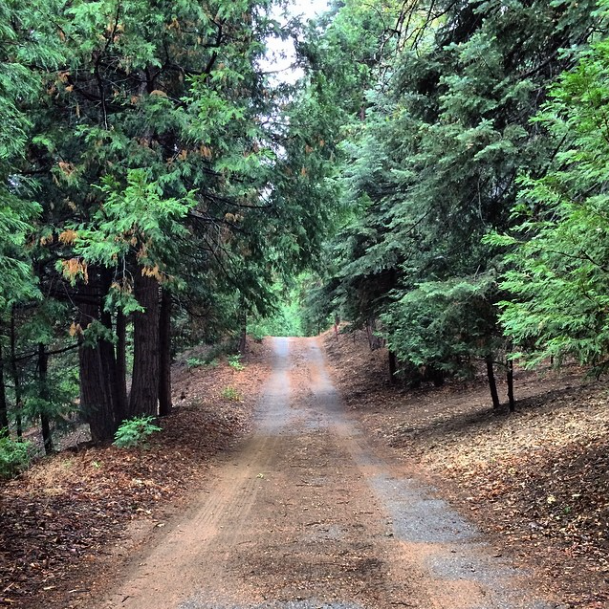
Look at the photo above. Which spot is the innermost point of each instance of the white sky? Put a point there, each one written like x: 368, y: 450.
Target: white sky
x: 282, y: 66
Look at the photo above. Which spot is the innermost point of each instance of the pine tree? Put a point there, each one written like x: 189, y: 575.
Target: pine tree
x: 435, y: 167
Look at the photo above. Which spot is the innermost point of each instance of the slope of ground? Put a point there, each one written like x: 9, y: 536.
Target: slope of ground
x: 537, y: 481
x: 60, y: 521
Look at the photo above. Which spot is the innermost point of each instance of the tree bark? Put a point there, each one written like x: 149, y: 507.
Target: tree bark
x: 96, y: 396
x: 165, y: 405
x: 510, y: 385
x: 393, y: 367
x: 3, y: 403
x: 146, y: 336
x: 121, y: 367
x: 242, y: 329
x: 491, y: 381
x: 43, y: 394
x: 16, y: 376
x: 110, y: 374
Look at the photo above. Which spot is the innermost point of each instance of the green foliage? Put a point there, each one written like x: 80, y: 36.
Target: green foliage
x: 284, y: 322
x: 559, y: 256
x: 285, y: 318
x: 14, y: 456
x: 195, y: 362
x: 135, y: 432
x: 433, y: 168
x: 234, y: 361
x: 231, y: 394
x: 446, y: 325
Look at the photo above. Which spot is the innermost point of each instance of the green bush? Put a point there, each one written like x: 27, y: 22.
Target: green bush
x: 232, y: 394
x: 14, y: 456
x: 135, y: 432
x: 234, y: 361
x: 194, y: 362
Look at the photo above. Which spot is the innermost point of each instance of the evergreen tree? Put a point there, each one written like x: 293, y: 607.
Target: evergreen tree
x: 434, y: 169
x: 559, y: 260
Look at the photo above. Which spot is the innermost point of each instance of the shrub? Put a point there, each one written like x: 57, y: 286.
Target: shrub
x: 14, y: 456
x: 135, y: 432
x: 230, y: 393
x: 194, y: 362
x: 234, y: 361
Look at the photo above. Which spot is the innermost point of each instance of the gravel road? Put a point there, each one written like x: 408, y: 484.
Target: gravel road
x: 305, y: 514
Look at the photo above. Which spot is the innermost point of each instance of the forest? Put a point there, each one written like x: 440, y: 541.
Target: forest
x: 436, y: 175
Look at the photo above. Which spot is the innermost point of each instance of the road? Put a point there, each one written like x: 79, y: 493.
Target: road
x: 305, y: 514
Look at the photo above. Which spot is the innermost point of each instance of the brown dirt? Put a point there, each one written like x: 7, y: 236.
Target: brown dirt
x: 536, y: 482
x: 68, y: 522
x: 303, y: 514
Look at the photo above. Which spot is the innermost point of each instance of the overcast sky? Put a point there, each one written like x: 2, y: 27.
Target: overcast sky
x: 282, y: 65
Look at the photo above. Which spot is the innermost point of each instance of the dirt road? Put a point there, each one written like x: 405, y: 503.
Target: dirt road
x: 304, y: 515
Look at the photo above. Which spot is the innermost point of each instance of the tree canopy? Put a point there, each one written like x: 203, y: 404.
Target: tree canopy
x: 437, y: 174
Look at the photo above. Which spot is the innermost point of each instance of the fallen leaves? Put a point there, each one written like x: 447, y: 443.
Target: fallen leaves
x: 537, y: 480
x: 61, y: 515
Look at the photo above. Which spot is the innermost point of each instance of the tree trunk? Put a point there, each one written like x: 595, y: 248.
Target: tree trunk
x: 374, y: 341
x: 96, y: 396
x: 510, y: 384
x: 242, y: 329
x: 16, y: 377
x: 43, y: 394
x: 146, y: 336
x: 121, y: 367
x: 3, y: 403
x: 491, y: 381
x: 393, y: 367
x: 110, y: 374
x: 165, y: 405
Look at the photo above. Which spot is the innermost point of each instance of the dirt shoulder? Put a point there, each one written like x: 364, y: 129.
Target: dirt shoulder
x: 536, y: 481
x: 70, y: 522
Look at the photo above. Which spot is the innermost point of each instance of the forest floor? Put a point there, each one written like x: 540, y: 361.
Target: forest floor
x: 293, y: 495
x: 67, y: 524
x: 535, y: 481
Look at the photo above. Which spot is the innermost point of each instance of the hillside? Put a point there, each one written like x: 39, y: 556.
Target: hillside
x: 536, y: 481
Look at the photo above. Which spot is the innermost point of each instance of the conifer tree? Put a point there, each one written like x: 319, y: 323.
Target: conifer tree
x: 558, y: 258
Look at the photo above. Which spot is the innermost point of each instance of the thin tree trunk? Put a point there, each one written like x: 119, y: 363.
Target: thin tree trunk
x: 146, y: 336
x: 165, y: 405
x: 242, y: 329
x: 16, y: 377
x: 491, y: 381
x: 110, y: 373
x: 3, y: 403
x: 510, y: 384
x: 393, y: 367
x: 43, y: 393
x: 121, y: 368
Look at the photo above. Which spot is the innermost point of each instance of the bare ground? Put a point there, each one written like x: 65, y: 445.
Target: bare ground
x: 536, y: 482
x: 306, y: 514
x: 68, y: 523
x: 316, y: 507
